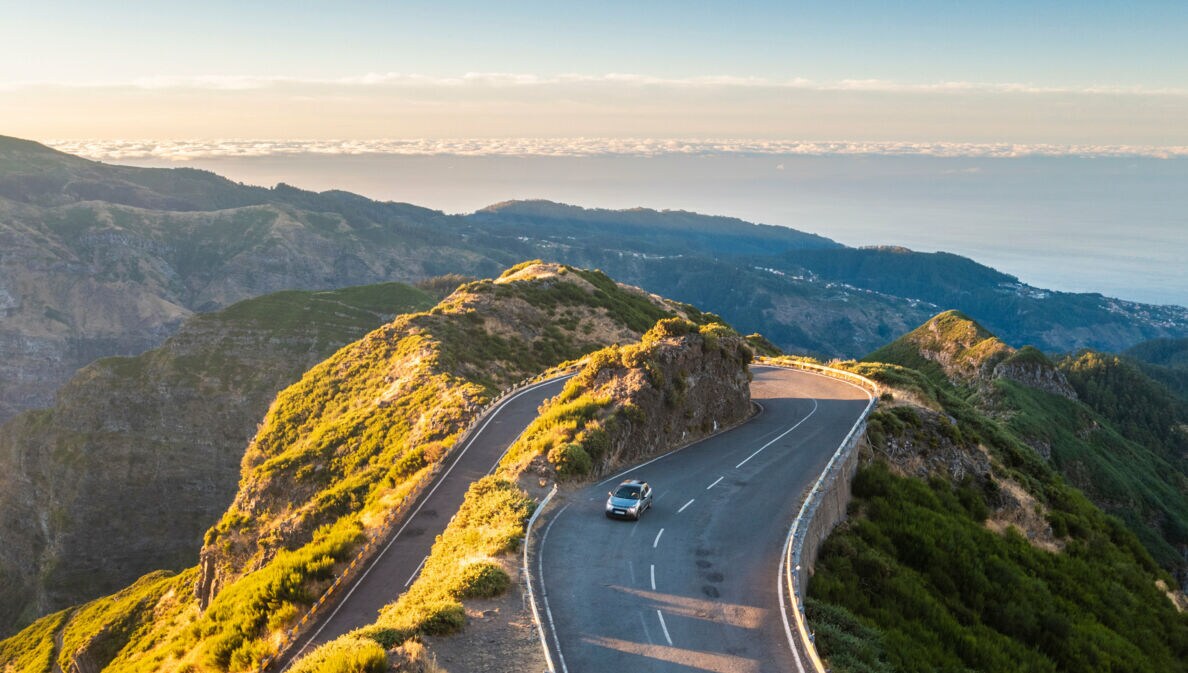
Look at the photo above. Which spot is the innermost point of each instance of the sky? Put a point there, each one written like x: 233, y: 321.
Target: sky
x: 1049, y: 138
x: 1065, y: 73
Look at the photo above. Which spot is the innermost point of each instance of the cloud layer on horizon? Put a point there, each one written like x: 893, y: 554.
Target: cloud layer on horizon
x: 185, y: 150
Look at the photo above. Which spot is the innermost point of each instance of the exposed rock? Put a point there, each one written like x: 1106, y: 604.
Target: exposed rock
x: 920, y: 442
x: 1035, y: 372
x: 689, y: 388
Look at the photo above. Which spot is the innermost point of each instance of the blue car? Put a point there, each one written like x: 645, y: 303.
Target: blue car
x: 629, y: 500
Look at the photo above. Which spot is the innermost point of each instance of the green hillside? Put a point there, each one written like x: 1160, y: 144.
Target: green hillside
x: 1165, y: 360
x: 169, y: 426
x: 966, y: 549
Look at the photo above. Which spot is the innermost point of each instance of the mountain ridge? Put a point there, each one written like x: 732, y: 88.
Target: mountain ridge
x: 160, y: 244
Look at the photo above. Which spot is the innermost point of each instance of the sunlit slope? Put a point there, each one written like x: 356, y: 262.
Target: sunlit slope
x: 340, y: 449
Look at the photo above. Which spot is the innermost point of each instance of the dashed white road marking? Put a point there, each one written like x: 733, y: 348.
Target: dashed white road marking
x: 684, y: 506
x: 653, y: 571
x: 664, y: 627
x: 779, y: 436
x: 716, y: 482
x: 657, y: 540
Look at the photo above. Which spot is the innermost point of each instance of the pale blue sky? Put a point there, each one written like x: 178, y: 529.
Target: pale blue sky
x: 1063, y: 72
x: 1047, y: 43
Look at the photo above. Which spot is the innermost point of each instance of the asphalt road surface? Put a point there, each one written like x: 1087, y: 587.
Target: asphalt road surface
x: 397, y: 564
x: 693, y: 585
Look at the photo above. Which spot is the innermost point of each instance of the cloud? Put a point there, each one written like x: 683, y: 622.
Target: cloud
x: 479, y: 80
x: 184, y: 150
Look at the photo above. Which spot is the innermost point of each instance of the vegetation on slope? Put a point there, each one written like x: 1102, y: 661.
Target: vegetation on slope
x: 917, y: 568
x: 966, y: 549
x: 169, y: 426
x: 345, y: 446
x: 1165, y: 360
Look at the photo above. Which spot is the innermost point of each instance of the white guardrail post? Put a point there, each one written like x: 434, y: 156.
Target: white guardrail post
x: 793, y: 579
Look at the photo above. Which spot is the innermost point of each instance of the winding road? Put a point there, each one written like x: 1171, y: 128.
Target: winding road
x: 399, y: 561
x: 693, y: 586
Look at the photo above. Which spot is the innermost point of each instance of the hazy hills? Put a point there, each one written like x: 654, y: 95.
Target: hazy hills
x: 100, y: 260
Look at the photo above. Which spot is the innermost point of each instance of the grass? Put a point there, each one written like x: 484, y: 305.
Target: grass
x: 32, y: 650
x: 103, y: 626
x: 914, y: 580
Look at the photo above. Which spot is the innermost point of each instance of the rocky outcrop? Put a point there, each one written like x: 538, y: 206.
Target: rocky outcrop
x: 922, y: 443
x: 140, y: 455
x: 1028, y: 367
x: 965, y: 353
x: 673, y: 389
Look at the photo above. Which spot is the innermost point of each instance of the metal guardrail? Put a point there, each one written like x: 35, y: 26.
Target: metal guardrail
x: 841, y: 464
x: 396, y: 516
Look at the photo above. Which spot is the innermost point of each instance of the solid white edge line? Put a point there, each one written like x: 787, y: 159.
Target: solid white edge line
x: 657, y: 540
x: 716, y: 482
x: 544, y: 641
x: 664, y: 627
x: 563, y: 377
x: 780, y: 436
x: 652, y: 570
x: 685, y: 505
x: 413, y: 576
x: 544, y: 593
x: 783, y: 570
x: 440, y: 480
x: 784, y: 601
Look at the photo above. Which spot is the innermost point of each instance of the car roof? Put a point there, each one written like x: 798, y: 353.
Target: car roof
x: 638, y: 482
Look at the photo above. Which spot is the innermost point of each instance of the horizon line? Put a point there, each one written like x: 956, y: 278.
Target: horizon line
x: 183, y: 150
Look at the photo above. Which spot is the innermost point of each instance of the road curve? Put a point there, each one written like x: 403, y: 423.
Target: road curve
x: 396, y: 565
x: 693, y: 585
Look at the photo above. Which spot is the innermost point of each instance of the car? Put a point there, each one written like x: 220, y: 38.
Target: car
x: 629, y: 500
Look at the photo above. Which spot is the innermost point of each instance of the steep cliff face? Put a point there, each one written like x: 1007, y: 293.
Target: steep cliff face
x: 140, y: 455
x: 337, y: 452
x: 359, y: 426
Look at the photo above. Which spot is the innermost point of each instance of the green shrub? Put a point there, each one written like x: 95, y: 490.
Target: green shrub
x: 571, y: 461
x: 939, y: 591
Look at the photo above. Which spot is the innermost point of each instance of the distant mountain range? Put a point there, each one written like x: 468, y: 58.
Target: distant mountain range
x: 99, y: 260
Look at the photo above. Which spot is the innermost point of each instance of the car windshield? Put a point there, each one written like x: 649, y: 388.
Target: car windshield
x: 628, y: 492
